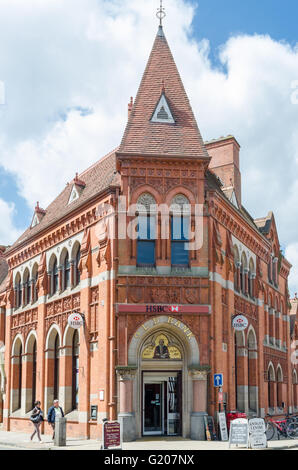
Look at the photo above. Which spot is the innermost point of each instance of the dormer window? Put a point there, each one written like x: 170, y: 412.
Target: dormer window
x: 162, y: 113
x: 39, y: 214
x: 77, y: 188
x: 74, y: 195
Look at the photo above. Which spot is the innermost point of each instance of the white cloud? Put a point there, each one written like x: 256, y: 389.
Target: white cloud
x: 292, y: 255
x: 8, y: 231
x: 92, y: 53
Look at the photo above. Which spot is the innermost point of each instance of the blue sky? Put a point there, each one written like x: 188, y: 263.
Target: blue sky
x: 217, y: 20
x: 238, y: 61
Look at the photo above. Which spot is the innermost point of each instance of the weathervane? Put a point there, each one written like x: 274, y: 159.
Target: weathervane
x: 161, y: 14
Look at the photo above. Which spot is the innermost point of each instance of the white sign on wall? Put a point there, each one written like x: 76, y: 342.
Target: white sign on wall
x: 240, y: 323
x: 75, y: 320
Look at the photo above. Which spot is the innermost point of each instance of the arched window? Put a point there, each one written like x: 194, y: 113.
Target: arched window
x: 146, y: 230
x: 243, y: 274
x: 251, y: 276
x: 271, y: 383
x: 66, y: 272
x: 236, y: 268
x: 77, y: 274
x: 279, y: 387
x: 18, y: 291
x: 180, y: 231
x: 34, y: 283
x: 252, y: 371
x: 56, y: 366
x: 20, y: 377
x: 75, y: 370
x: 27, y: 288
x: 55, y: 277
x: 34, y: 363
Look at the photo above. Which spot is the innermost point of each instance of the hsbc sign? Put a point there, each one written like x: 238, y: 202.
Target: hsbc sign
x: 75, y: 320
x: 162, y: 308
x: 240, y: 323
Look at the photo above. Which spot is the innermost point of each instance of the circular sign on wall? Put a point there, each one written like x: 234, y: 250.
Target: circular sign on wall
x: 240, y: 323
x: 75, y: 320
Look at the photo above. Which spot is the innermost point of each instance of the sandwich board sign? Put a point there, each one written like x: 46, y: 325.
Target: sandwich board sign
x: 111, y: 434
x: 239, y: 432
x: 257, y: 433
x: 223, y: 426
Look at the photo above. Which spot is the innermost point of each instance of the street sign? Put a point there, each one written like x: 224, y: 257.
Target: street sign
x: 240, y: 323
x: 223, y: 426
x: 239, y: 432
x: 218, y: 380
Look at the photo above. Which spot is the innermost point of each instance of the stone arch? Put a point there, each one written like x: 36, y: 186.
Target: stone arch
x: 30, y: 370
x: 252, y: 369
x: 240, y: 381
x: 51, y: 261
x: 180, y: 190
x: 271, y: 385
x: 71, y: 343
x: 143, y: 189
x: 17, y: 351
x: 190, y: 375
x: 279, y: 385
x: 64, y: 252
x: 252, y: 338
x: 177, y: 328
x: 52, y: 363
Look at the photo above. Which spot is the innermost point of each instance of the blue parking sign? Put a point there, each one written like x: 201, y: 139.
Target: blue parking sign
x: 218, y: 380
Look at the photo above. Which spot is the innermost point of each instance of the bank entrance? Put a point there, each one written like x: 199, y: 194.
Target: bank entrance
x: 162, y: 403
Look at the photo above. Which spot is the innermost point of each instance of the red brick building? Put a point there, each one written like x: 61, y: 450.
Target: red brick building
x: 158, y: 308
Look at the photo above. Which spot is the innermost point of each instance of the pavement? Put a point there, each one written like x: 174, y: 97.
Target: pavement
x: 21, y: 441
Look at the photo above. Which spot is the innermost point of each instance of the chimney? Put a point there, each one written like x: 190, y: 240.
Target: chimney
x: 224, y: 153
x: 130, y: 105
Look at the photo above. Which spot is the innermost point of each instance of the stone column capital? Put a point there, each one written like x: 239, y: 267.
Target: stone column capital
x: 199, y: 374
x: 126, y: 372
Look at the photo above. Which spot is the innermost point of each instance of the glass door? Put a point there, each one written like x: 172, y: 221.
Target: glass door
x: 153, y: 409
x: 174, y: 415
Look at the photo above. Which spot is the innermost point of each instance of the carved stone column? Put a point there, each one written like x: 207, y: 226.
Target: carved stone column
x: 126, y: 414
x: 199, y: 407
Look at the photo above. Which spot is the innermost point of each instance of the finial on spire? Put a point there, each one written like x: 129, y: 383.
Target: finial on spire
x: 161, y: 14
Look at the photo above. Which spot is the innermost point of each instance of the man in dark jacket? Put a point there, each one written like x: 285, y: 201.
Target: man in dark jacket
x: 54, y: 412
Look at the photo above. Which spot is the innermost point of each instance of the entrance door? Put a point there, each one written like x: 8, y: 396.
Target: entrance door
x: 153, y: 408
x: 162, y: 400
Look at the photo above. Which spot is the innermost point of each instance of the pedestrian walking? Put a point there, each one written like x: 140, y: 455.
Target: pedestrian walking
x: 36, y: 418
x: 55, y: 412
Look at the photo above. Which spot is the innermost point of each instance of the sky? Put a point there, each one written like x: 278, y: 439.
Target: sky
x: 69, y: 67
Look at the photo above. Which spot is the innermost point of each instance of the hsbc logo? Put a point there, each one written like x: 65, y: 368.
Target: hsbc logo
x: 174, y: 308
x: 162, y: 308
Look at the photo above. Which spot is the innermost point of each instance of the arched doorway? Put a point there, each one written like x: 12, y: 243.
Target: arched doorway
x: 271, y: 386
x: 240, y: 369
x: 164, y: 390
x: 252, y: 371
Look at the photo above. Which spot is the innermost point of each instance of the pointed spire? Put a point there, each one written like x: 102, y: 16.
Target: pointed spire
x: 179, y: 136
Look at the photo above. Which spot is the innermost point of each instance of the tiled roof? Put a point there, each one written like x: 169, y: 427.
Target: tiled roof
x: 97, y: 178
x: 142, y: 136
x: 3, y: 273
